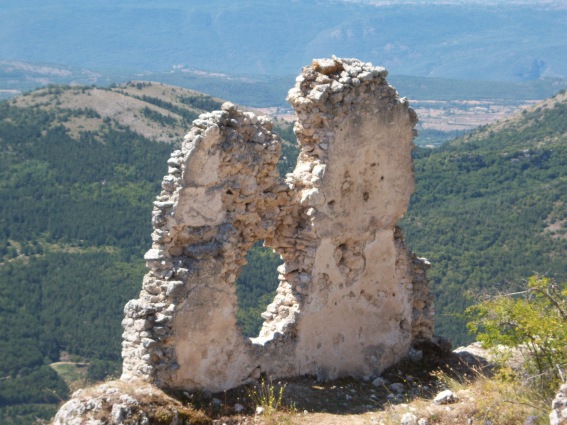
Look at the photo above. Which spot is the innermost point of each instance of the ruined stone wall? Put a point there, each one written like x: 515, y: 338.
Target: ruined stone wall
x: 221, y: 195
x: 351, y: 297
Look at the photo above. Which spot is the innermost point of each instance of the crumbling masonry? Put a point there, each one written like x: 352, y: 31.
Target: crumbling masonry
x: 351, y: 298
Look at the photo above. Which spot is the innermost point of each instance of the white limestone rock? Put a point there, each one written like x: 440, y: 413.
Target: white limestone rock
x: 408, y: 418
x: 446, y: 397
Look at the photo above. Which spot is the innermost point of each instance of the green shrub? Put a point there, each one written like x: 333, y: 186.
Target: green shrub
x: 534, y: 321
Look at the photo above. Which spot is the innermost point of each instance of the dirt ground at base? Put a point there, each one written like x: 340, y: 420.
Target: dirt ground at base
x: 307, y: 400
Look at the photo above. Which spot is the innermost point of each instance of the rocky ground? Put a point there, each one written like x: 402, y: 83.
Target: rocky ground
x: 404, y: 394
x: 434, y: 385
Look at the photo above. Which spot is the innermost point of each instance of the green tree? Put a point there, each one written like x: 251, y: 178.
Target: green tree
x: 533, y: 321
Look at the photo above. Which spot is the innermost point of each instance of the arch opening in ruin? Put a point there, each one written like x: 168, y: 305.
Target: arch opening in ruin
x: 256, y: 288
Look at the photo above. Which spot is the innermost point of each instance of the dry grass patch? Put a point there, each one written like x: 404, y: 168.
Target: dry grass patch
x: 497, y: 400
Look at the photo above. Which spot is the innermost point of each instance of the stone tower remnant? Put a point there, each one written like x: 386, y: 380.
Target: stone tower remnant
x: 351, y: 298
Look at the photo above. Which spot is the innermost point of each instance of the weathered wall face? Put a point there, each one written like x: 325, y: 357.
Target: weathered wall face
x: 351, y: 297
x: 356, y: 138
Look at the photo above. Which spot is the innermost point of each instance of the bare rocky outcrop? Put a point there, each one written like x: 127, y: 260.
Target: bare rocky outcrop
x: 352, y: 298
x: 126, y: 403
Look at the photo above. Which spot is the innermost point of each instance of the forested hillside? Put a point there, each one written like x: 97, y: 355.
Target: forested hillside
x: 490, y: 209
x: 80, y: 166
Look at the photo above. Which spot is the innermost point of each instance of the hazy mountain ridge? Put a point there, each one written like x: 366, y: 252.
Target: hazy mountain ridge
x: 254, y: 37
x: 263, y: 91
x: 446, y: 107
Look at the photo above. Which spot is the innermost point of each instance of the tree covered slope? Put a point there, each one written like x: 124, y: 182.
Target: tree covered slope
x: 80, y: 167
x: 490, y: 209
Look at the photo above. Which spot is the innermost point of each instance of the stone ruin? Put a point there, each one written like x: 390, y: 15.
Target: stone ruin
x: 351, y: 298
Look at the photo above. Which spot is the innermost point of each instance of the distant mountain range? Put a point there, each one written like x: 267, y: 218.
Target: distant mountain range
x: 446, y: 107
x: 267, y: 91
x: 475, y: 40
